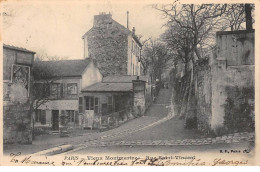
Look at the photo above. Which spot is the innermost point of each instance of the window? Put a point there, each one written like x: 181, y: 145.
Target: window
x: 37, y: 115
x: 72, y: 88
x: 96, y: 108
x: 40, y: 116
x: 46, y: 90
x: 110, y: 104
x: 133, y: 69
x: 70, y: 115
x: 80, y: 105
x: 43, y: 117
x: 89, y: 102
x: 55, y: 89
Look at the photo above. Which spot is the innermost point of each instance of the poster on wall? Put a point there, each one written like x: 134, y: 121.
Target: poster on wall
x: 21, y: 76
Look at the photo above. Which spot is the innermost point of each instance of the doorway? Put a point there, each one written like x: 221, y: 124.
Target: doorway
x: 55, y: 120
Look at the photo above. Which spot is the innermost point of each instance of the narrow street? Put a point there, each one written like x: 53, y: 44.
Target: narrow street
x: 157, y: 131
x: 154, y: 136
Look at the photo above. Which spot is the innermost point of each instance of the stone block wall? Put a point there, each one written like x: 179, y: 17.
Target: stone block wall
x: 109, y: 46
x: 17, y: 124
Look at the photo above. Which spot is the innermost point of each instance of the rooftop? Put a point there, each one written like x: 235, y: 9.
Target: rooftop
x: 109, y: 87
x: 115, y: 83
x: 61, y: 68
x: 17, y: 48
x: 123, y: 78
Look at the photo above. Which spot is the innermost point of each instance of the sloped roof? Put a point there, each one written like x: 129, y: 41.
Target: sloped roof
x: 109, y: 87
x: 115, y: 83
x: 17, y: 48
x: 61, y: 68
x: 123, y: 78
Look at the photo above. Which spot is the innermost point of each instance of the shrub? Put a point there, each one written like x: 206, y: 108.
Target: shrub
x: 239, y: 110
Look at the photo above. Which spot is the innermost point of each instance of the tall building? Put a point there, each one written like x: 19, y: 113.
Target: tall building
x: 116, y: 49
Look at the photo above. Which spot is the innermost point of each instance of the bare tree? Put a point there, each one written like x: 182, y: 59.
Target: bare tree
x: 235, y: 16
x: 199, y: 21
x: 144, y: 60
x: 155, y: 57
x: 43, y: 77
x: 43, y: 56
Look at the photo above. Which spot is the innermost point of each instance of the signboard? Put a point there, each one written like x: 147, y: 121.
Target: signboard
x: 24, y: 58
x: 21, y: 75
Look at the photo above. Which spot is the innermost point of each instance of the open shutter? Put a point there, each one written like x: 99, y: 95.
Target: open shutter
x: 61, y: 90
x: 80, y: 105
x: 43, y: 117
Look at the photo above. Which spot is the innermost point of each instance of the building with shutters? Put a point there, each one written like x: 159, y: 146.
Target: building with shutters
x: 59, y: 84
x: 115, y: 100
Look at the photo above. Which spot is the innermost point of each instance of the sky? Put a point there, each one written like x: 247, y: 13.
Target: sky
x: 57, y: 28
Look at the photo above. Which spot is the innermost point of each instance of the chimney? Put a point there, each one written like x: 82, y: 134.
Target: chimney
x: 133, y: 30
x: 127, y: 19
x: 102, y: 19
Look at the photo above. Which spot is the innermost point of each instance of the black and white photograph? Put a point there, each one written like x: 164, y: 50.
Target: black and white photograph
x: 129, y: 83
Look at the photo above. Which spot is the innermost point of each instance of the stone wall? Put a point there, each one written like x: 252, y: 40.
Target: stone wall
x: 201, y: 94
x: 107, y: 42
x: 17, y: 118
x: 17, y: 92
x: 233, y: 66
x: 202, y: 82
x: 17, y: 124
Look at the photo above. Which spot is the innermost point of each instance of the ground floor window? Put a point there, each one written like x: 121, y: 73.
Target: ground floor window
x: 70, y: 115
x: 40, y: 116
x: 89, y: 102
x: 110, y: 104
x: 96, y: 108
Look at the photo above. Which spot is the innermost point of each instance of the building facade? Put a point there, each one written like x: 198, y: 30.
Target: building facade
x: 17, y: 94
x: 116, y: 49
x: 115, y: 100
x: 62, y: 82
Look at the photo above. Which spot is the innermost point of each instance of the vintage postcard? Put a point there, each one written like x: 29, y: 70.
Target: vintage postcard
x: 129, y: 83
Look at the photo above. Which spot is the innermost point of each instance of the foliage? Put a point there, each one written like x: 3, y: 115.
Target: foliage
x: 239, y: 110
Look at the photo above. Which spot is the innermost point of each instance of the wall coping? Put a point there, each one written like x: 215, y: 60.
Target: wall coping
x: 234, y: 32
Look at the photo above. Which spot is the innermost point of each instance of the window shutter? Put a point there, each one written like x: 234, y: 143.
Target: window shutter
x: 47, y: 90
x: 43, y: 117
x: 61, y: 90
x: 76, y: 117
x: 80, y: 105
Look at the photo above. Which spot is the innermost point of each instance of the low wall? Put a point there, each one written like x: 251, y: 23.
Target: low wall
x: 16, y: 115
x: 17, y: 124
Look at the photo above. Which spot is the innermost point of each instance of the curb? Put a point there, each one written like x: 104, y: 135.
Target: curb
x: 55, y: 150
